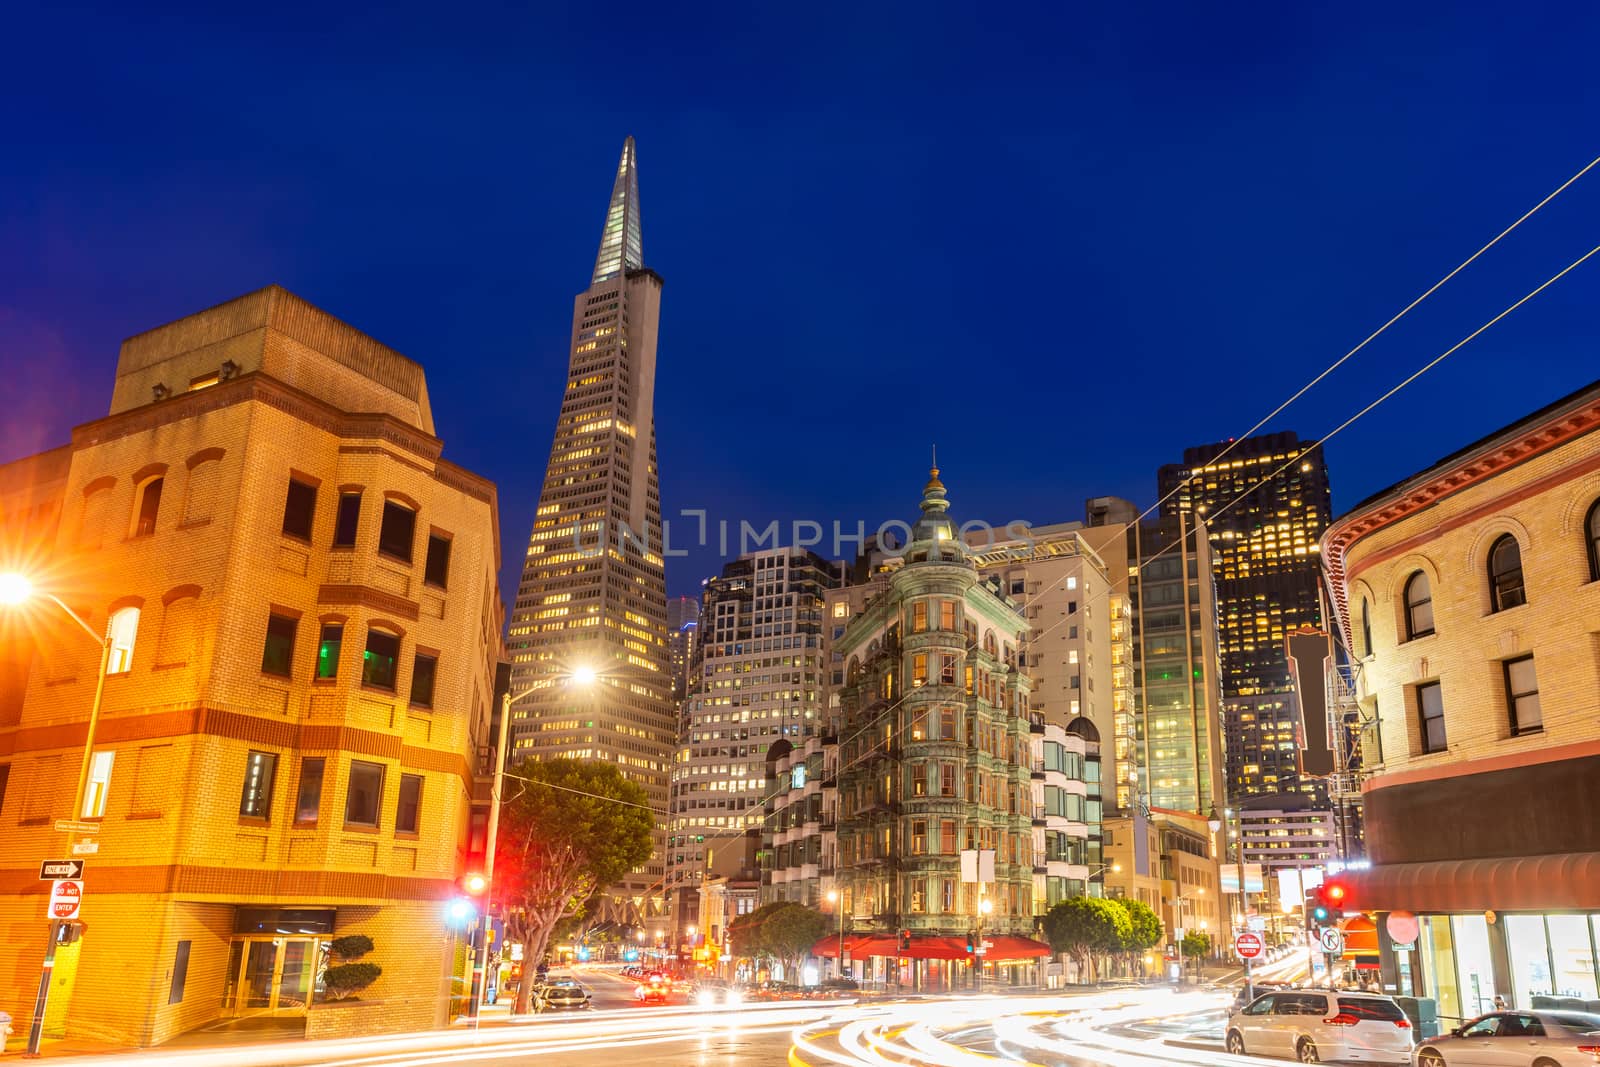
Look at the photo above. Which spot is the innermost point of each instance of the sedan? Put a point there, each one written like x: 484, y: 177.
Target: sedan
x: 1518, y: 1039
x: 560, y: 996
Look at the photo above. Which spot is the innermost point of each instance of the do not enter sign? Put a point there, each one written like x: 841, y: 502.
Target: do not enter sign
x: 65, y: 896
x: 1247, y: 945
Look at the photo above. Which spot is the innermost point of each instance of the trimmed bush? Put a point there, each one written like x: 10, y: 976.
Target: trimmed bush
x: 348, y: 978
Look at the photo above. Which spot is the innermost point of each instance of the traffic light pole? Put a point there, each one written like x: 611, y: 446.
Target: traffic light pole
x: 480, y: 965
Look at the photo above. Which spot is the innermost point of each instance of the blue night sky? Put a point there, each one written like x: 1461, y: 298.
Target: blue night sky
x: 1062, y: 242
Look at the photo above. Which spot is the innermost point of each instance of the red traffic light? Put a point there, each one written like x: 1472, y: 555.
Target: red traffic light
x: 1334, y: 893
x: 474, y: 884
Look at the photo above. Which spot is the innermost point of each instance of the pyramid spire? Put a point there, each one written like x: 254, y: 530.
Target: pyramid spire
x: 621, y: 245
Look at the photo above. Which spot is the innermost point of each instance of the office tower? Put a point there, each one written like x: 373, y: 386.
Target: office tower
x: 593, y: 591
x: 1264, y: 557
x: 757, y: 678
x: 683, y: 624
x: 304, y: 622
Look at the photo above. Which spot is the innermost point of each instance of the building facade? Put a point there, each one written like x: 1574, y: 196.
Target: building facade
x: 593, y: 592
x: 1469, y: 595
x: 304, y: 626
x: 758, y: 678
x: 1264, y: 557
x: 683, y: 627
x: 1169, y: 746
x: 927, y: 754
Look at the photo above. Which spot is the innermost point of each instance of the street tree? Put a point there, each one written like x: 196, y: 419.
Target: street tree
x: 1086, y: 926
x: 568, y: 830
x: 1196, y: 944
x: 783, y: 931
x: 1144, y: 930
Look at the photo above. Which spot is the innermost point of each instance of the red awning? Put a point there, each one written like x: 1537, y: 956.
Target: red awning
x: 1515, y: 883
x: 1002, y: 947
x: 1360, y: 937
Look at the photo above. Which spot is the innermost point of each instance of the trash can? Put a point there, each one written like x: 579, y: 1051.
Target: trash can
x: 1423, y: 1013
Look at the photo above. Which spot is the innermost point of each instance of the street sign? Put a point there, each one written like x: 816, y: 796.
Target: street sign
x: 65, y: 896
x: 69, y: 826
x: 1331, y: 939
x: 1248, y: 945
x: 50, y: 870
x: 1408, y: 947
x: 1402, y: 926
x: 85, y: 848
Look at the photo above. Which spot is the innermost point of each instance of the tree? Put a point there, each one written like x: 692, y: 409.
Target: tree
x: 782, y: 931
x: 1084, y: 926
x: 1196, y: 944
x: 573, y: 829
x: 348, y: 977
x: 1144, y: 930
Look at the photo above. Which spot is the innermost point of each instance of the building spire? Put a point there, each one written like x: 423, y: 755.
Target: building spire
x: 621, y: 245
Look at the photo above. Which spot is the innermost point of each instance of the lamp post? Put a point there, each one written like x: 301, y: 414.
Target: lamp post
x: 833, y: 898
x: 16, y: 590
x: 985, y: 906
x: 583, y: 676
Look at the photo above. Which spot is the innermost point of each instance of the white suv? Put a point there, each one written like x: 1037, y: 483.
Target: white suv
x: 1314, y: 1026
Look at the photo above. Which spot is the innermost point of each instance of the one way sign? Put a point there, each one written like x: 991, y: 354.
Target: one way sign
x: 51, y: 870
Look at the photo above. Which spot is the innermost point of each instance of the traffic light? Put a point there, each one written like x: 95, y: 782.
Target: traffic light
x: 969, y: 942
x: 474, y: 884
x: 1336, y: 894
x: 1317, y: 906
x: 905, y: 940
x: 69, y: 932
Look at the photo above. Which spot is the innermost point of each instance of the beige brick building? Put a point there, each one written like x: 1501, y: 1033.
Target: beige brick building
x: 1469, y: 596
x: 306, y: 621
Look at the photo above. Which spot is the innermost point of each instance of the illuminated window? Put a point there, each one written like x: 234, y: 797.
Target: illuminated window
x: 255, y: 799
x: 99, y: 784
x: 328, y: 650
x: 919, y: 617
x: 124, y: 627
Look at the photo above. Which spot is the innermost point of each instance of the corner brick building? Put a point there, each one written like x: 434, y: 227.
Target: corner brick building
x: 305, y: 625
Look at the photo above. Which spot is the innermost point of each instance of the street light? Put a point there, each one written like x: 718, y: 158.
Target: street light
x: 582, y: 675
x: 985, y: 907
x: 833, y: 898
x: 16, y: 589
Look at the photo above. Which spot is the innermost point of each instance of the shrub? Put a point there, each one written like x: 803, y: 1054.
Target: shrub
x: 350, y: 946
x: 348, y: 978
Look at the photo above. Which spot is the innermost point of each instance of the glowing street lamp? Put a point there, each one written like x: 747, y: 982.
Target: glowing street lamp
x: 833, y: 898
x: 582, y: 676
x: 16, y: 590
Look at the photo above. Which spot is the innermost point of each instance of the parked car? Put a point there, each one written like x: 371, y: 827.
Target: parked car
x: 560, y: 995
x: 838, y: 986
x: 1518, y: 1039
x: 1314, y: 1026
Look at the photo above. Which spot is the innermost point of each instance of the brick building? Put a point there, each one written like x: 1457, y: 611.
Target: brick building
x: 305, y: 624
x: 1469, y: 597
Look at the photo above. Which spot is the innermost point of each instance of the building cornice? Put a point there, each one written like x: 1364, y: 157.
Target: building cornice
x: 1517, y: 444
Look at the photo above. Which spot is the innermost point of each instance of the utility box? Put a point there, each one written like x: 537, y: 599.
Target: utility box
x: 1423, y: 1013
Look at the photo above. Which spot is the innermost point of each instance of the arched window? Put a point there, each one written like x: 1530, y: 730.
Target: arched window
x: 1591, y: 537
x: 144, y: 520
x: 1366, y: 627
x: 124, y: 628
x: 1419, y: 606
x: 989, y: 644
x: 1505, y: 574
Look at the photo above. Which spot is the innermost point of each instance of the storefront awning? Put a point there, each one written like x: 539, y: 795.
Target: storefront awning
x: 1516, y: 883
x: 1001, y: 947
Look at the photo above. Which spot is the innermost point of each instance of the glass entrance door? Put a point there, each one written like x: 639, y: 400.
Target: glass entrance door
x: 269, y: 976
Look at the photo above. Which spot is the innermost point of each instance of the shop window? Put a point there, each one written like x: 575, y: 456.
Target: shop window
x: 1505, y: 575
x: 308, y: 797
x: 1419, y: 606
x: 406, y: 812
x: 379, y: 659
x: 144, y: 522
x: 277, y: 652
x: 397, y: 535
x: 347, y: 520
x: 299, y: 508
x: 1522, y: 696
x: 365, y: 795
x: 255, y: 799
x: 328, y: 647
x: 1529, y: 952
x: 124, y: 628
x: 424, y: 668
x: 98, y: 786
x: 436, y: 571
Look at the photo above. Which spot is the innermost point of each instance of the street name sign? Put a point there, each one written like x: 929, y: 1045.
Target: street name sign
x: 85, y: 848
x: 50, y: 870
x: 1248, y: 945
x: 66, y: 895
x: 70, y: 826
